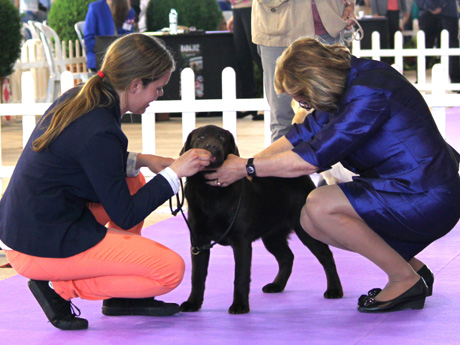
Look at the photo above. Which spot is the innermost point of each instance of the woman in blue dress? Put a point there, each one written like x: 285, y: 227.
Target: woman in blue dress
x: 371, y: 119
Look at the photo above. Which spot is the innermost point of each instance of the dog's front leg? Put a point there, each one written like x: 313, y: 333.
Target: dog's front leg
x: 200, y: 264
x: 242, y: 253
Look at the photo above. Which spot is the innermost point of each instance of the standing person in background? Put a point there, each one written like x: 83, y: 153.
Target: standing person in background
x: 106, y: 18
x: 438, y: 15
x: 136, y: 6
x: 28, y: 9
x: 32, y: 10
x: 224, y: 5
x: 143, y: 15
x: 44, y: 7
x: 246, y: 53
x: 276, y: 26
x: 392, y: 10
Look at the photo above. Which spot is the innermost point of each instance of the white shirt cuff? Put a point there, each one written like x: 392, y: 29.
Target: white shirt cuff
x: 4, y: 246
x: 131, y: 170
x: 172, y: 178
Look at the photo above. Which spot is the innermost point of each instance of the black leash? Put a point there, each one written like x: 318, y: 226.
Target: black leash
x: 180, y: 202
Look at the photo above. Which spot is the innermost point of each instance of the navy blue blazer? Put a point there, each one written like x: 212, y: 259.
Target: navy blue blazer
x: 44, y: 209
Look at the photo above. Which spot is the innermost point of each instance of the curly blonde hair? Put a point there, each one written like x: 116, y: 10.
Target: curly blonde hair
x: 313, y: 71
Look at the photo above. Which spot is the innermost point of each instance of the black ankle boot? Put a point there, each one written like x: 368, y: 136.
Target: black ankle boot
x: 59, y: 312
x: 138, y: 306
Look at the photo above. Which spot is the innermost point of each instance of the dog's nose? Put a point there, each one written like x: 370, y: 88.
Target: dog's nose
x: 211, y: 147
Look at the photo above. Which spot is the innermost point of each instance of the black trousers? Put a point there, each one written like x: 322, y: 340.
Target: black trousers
x: 246, y: 53
x: 393, y: 26
x: 432, y: 25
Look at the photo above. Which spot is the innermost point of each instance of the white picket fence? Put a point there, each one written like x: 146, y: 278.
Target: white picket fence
x: 33, y: 59
x: 435, y: 92
x: 420, y: 52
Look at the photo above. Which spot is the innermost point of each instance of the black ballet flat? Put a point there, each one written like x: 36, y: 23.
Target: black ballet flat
x: 428, y: 277
x: 371, y: 293
x: 414, y: 298
x: 424, y: 272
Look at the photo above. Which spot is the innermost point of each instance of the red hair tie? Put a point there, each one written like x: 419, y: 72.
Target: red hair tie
x: 100, y: 74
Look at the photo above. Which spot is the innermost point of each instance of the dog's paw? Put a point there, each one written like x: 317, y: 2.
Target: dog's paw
x: 272, y: 288
x: 333, y: 293
x: 238, y: 309
x: 189, y: 307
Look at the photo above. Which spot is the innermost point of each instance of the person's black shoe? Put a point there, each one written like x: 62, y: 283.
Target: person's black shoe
x: 59, y: 312
x: 428, y: 277
x: 424, y: 272
x: 414, y: 298
x: 371, y: 293
x: 258, y: 117
x: 138, y: 306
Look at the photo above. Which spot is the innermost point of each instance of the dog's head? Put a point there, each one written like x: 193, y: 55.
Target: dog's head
x: 216, y: 140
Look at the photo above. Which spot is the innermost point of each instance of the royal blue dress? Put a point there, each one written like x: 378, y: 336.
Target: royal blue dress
x: 408, y: 185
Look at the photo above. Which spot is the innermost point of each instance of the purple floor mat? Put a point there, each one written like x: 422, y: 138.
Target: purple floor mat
x: 299, y: 315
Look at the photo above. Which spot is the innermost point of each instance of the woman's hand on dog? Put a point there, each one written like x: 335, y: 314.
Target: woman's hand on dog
x: 233, y: 169
x: 191, y: 162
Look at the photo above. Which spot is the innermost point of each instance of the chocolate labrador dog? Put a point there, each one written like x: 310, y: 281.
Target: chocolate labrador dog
x: 267, y: 208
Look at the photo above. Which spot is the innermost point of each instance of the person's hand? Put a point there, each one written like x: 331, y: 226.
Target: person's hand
x: 406, y: 18
x: 154, y: 163
x: 436, y: 11
x: 230, y: 24
x: 191, y: 162
x: 233, y: 169
x: 348, y: 13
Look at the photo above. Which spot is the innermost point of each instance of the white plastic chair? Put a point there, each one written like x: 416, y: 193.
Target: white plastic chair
x: 53, y: 55
x: 54, y: 43
x: 80, y: 29
x: 28, y: 31
x: 54, y: 72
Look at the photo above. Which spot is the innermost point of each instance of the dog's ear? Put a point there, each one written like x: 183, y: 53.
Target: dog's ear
x: 232, y: 143
x: 236, y: 152
x: 188, y: 143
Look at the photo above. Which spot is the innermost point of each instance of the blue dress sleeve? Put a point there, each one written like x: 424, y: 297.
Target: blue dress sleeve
x: 89, y: 35
x: 323, y: 144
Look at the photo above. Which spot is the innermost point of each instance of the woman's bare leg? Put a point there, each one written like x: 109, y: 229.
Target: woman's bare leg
x: 416, y: 264
x: 329, y: 217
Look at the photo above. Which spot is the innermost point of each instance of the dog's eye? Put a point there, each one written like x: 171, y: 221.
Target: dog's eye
x: 201, y: 137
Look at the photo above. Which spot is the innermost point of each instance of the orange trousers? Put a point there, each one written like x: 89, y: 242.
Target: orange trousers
x: 123, y: 264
